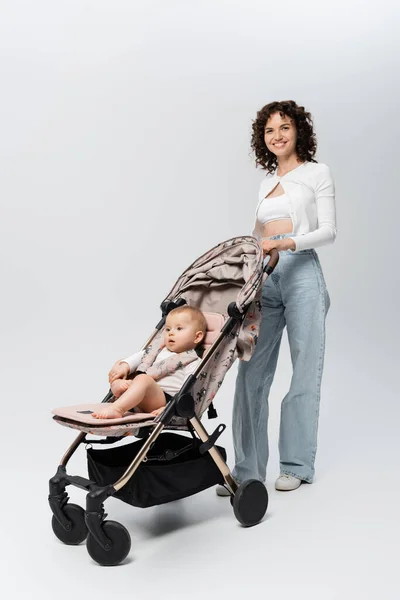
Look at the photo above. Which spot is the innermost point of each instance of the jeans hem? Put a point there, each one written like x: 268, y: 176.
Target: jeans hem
x: 239, y: 482
x: 305, y: 479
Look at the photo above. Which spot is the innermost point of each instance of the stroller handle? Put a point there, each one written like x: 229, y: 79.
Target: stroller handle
x: 273, y: 261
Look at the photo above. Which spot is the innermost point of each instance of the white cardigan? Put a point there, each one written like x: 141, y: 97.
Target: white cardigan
x: 311, y: 193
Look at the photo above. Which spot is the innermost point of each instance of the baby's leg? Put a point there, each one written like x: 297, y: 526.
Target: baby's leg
x: 143, y: 392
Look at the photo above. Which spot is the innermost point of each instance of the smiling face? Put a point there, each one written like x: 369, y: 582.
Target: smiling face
x: 280, y: 136
x: 181, y: 332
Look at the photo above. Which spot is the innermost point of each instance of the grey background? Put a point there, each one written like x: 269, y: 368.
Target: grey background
x: 124, y: 144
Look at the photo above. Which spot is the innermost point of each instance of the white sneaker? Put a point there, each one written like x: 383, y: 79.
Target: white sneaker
x: 287, y: 483
x: 222, y: 491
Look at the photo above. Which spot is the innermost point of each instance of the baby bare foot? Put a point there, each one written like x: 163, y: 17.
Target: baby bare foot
x: 109, y: 412
x: 119, y: 386
x: 158, y: 411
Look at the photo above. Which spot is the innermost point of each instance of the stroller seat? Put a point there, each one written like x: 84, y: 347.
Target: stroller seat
x: 80, y: 416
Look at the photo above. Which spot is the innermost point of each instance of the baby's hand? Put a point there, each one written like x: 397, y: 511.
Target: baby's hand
x: 120, y: 370
x: 158, y: 411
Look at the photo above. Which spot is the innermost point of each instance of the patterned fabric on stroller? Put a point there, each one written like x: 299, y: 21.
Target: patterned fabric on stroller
x: 225, y: 283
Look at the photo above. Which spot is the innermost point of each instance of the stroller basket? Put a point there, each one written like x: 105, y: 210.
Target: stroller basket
x: 174, y: 469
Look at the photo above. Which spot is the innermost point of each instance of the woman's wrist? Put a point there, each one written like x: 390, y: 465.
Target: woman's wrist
x: 288, y: 244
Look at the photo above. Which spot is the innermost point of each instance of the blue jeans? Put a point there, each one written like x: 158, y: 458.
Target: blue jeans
x: 294, y: 296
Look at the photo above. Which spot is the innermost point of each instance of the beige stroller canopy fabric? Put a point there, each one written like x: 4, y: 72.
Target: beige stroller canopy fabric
x: 229, y: 272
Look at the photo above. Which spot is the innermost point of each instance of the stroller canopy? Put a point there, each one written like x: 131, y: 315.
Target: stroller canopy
x: 232, y: 271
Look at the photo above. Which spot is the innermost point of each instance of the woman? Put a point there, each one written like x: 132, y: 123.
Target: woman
x: 295, y: 214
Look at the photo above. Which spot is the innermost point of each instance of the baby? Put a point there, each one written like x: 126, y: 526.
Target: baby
x: 185, y: 328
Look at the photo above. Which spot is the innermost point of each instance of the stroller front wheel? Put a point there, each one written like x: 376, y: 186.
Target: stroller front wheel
x: 117, y: 551
x: 76, y: 531
x: 250, y: 502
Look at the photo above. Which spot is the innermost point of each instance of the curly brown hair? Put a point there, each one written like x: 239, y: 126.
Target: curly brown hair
x: 306, y: 143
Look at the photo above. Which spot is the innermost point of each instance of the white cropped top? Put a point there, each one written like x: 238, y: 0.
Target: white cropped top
x: 273, y: 208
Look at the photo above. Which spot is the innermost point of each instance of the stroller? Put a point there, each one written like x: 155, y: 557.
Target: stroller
x: 225, y: 284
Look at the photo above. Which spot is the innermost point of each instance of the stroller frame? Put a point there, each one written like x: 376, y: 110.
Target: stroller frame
x: 108, y: 542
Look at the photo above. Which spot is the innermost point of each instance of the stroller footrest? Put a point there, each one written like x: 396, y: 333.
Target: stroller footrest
x: 80, y: 482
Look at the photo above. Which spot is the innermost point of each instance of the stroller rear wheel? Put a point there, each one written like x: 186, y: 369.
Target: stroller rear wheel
x: 250, y: 502
x: 76, y: 531
x: 117, y: 551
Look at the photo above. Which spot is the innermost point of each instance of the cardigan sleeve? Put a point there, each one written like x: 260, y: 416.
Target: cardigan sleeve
x: 326, y: 214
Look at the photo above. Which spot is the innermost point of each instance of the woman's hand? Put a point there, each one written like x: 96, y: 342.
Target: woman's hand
x: 118, y: 371
x: 284, y: 244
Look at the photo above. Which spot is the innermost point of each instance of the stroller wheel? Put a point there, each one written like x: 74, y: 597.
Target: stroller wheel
x: 77, y: 530
x: 250, y: 502
x: 119, y: 547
